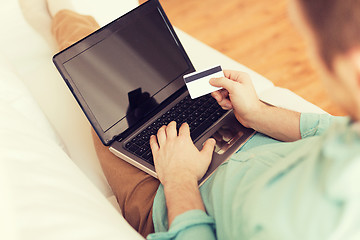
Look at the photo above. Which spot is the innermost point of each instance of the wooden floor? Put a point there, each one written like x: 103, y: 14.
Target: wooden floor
x: 258, y: 34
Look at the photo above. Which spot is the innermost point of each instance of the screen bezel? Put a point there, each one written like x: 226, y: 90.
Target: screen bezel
x: 117, y: 130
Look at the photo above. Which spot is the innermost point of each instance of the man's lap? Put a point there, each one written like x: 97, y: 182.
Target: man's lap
x: 134, y: 189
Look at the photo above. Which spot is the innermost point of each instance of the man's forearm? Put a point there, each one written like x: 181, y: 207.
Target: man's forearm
x: 278, y: 123
x: 182, y: 197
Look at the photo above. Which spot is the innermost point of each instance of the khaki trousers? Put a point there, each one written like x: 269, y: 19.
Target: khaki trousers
x: 134, y: 189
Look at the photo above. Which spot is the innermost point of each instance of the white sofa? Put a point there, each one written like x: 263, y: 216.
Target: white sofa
x: 51, y: 183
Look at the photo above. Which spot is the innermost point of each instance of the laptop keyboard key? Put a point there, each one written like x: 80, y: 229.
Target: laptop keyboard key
x: 195, y: 124
x: 147, y: 155
x: 191, y: 118
x: 201, y: 119
x: 140, y: 142
x: 207, y: 105
x: 206, y: 114
x: 128, y: 145
x: 133, y: 148
x: 196, y: 113
x: 140, y: 151
x: 214, y: 118
x: 189, y: 111
x: 145, y: 138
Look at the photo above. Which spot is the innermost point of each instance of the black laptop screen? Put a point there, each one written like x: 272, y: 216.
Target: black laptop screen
x: 129, y: 73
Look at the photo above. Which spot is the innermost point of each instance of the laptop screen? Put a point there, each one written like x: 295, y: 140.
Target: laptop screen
x: 126, y: 75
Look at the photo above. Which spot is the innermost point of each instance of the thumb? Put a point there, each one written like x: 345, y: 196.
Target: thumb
x: 222, y: 82
x: 208, y: 147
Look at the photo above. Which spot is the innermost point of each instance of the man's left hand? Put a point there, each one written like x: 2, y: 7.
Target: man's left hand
x: 176, y: 157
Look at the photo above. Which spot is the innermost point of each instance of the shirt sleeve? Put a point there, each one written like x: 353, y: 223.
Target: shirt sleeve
x: 312, y: 124
x: 194, y: 224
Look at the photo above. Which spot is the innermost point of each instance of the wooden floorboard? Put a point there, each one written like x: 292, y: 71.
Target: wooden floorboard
x: 258, y: 34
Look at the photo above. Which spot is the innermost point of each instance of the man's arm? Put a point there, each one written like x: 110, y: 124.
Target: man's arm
x: 239, y: 94
x: 179, y: 165
x: 278, y: 123
x: 182, y: 196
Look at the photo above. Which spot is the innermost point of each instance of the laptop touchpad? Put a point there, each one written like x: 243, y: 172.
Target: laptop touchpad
x: 225, y: 137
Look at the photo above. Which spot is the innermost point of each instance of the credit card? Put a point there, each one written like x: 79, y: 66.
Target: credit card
x: 198, y: 82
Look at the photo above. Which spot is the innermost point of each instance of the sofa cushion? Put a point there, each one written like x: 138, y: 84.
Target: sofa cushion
x: 44, y: 195
x: 287, y: 99
x: 31, y: 56
x: 15, y: 94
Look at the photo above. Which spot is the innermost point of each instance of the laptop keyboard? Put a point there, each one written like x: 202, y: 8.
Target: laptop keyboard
x: 199, y: 113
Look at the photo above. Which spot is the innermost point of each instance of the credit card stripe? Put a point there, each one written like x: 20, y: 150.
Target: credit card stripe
x: 202, y: 74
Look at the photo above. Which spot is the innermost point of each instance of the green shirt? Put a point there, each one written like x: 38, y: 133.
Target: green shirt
x: 274, y: 190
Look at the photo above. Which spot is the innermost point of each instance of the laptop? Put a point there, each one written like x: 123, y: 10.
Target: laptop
x: 127, y: 78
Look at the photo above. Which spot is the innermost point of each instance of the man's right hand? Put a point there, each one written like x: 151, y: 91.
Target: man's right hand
x: 238, y: 93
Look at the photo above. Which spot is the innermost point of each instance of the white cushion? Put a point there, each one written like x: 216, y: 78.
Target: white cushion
x: 7, y: 222
x: 15, y: 94
x: 44, y: 195
x: 284, y: 98
x: 32, y: 59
